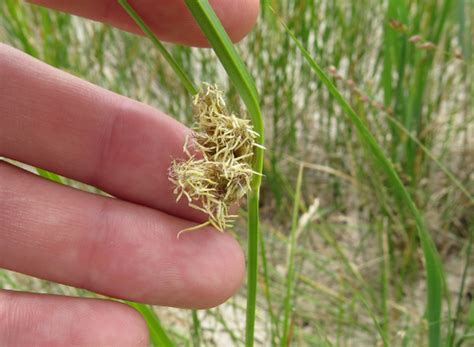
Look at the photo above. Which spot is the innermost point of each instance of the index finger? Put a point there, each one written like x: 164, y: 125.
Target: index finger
x: 58, y: 122
x: 170, y: 20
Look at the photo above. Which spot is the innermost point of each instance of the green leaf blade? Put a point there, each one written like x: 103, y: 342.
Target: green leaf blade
x: 434, y: 272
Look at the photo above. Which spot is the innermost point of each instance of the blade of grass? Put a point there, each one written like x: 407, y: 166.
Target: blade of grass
x: 7, y: 279
x: 185, y: 80
x: 196, y: 329
x: 158, y: 336
x: 434, y: 271
x: 267, y: 292
x: 452, y: 336
x: 385, y: 280
x: 235, y: 68
x: 290, y: 275
x: 252, y: 267
x: 244, y: 84
x: 49, y: 175
x: 365, y: 296
x: 21, y: 27
x: 430, y: 155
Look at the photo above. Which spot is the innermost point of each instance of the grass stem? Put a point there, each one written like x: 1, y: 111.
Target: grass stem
x: 183, y: 77
x: 434, y: 272
x: 290, y: 275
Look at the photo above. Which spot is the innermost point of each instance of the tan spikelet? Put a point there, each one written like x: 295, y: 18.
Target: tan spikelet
x: 222, y: 176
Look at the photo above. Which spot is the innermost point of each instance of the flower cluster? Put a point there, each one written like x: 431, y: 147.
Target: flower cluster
x: 221, y: 175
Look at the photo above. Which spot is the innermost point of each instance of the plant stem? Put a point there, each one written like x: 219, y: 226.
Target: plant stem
x: 452, y: 337
x: 243, y: 82
x: 185, y: 80
x: 267, y: 291
x: 196, y: 331
x: 290, y: 276
x: 158, y: 336
x: 252, y: 266
x: 435, y: 278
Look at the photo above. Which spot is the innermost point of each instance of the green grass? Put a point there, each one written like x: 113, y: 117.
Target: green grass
x: 158, y: 336
x: 290, y: 273
x: 434, y: 270
x: 386, y: 145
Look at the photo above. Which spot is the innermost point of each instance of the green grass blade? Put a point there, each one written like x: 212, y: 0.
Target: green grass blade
x: 185, y: 80
x: 434, y: 271
x: 21, y: 27
x: 244, y: 84
x: 252, y: 267
x: 452, y: 336
x: 235, y: 68
x: 158, y: 336
x: 267, y: 292
x: 430, y: 155
x: 49, y: 175
x: 196, y: 329
x: 290, y: 275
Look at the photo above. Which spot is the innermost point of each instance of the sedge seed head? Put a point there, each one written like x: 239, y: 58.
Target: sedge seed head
x: 222, y: 176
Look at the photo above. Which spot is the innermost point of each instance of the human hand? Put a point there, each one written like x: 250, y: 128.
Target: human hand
x: 125, y: 247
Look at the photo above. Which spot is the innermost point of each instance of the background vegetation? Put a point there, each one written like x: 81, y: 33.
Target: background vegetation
x: 341, y: 260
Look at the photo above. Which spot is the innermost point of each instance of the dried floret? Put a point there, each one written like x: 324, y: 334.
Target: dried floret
x: 222, y: 176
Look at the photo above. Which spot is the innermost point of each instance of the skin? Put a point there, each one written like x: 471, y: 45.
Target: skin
x: 123, y: 247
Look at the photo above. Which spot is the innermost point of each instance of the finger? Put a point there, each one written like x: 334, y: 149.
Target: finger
x: 170, y: 20
x: 48, y: 320
x: 112, y: 247
x: 58, y: 122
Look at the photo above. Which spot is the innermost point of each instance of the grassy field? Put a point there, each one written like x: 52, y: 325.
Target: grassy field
x: 366, y: 205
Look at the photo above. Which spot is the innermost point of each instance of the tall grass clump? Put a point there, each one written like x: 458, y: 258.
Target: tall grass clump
x: 434, y: 270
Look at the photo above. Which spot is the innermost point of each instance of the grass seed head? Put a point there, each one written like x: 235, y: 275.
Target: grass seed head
x: 222, y: 176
